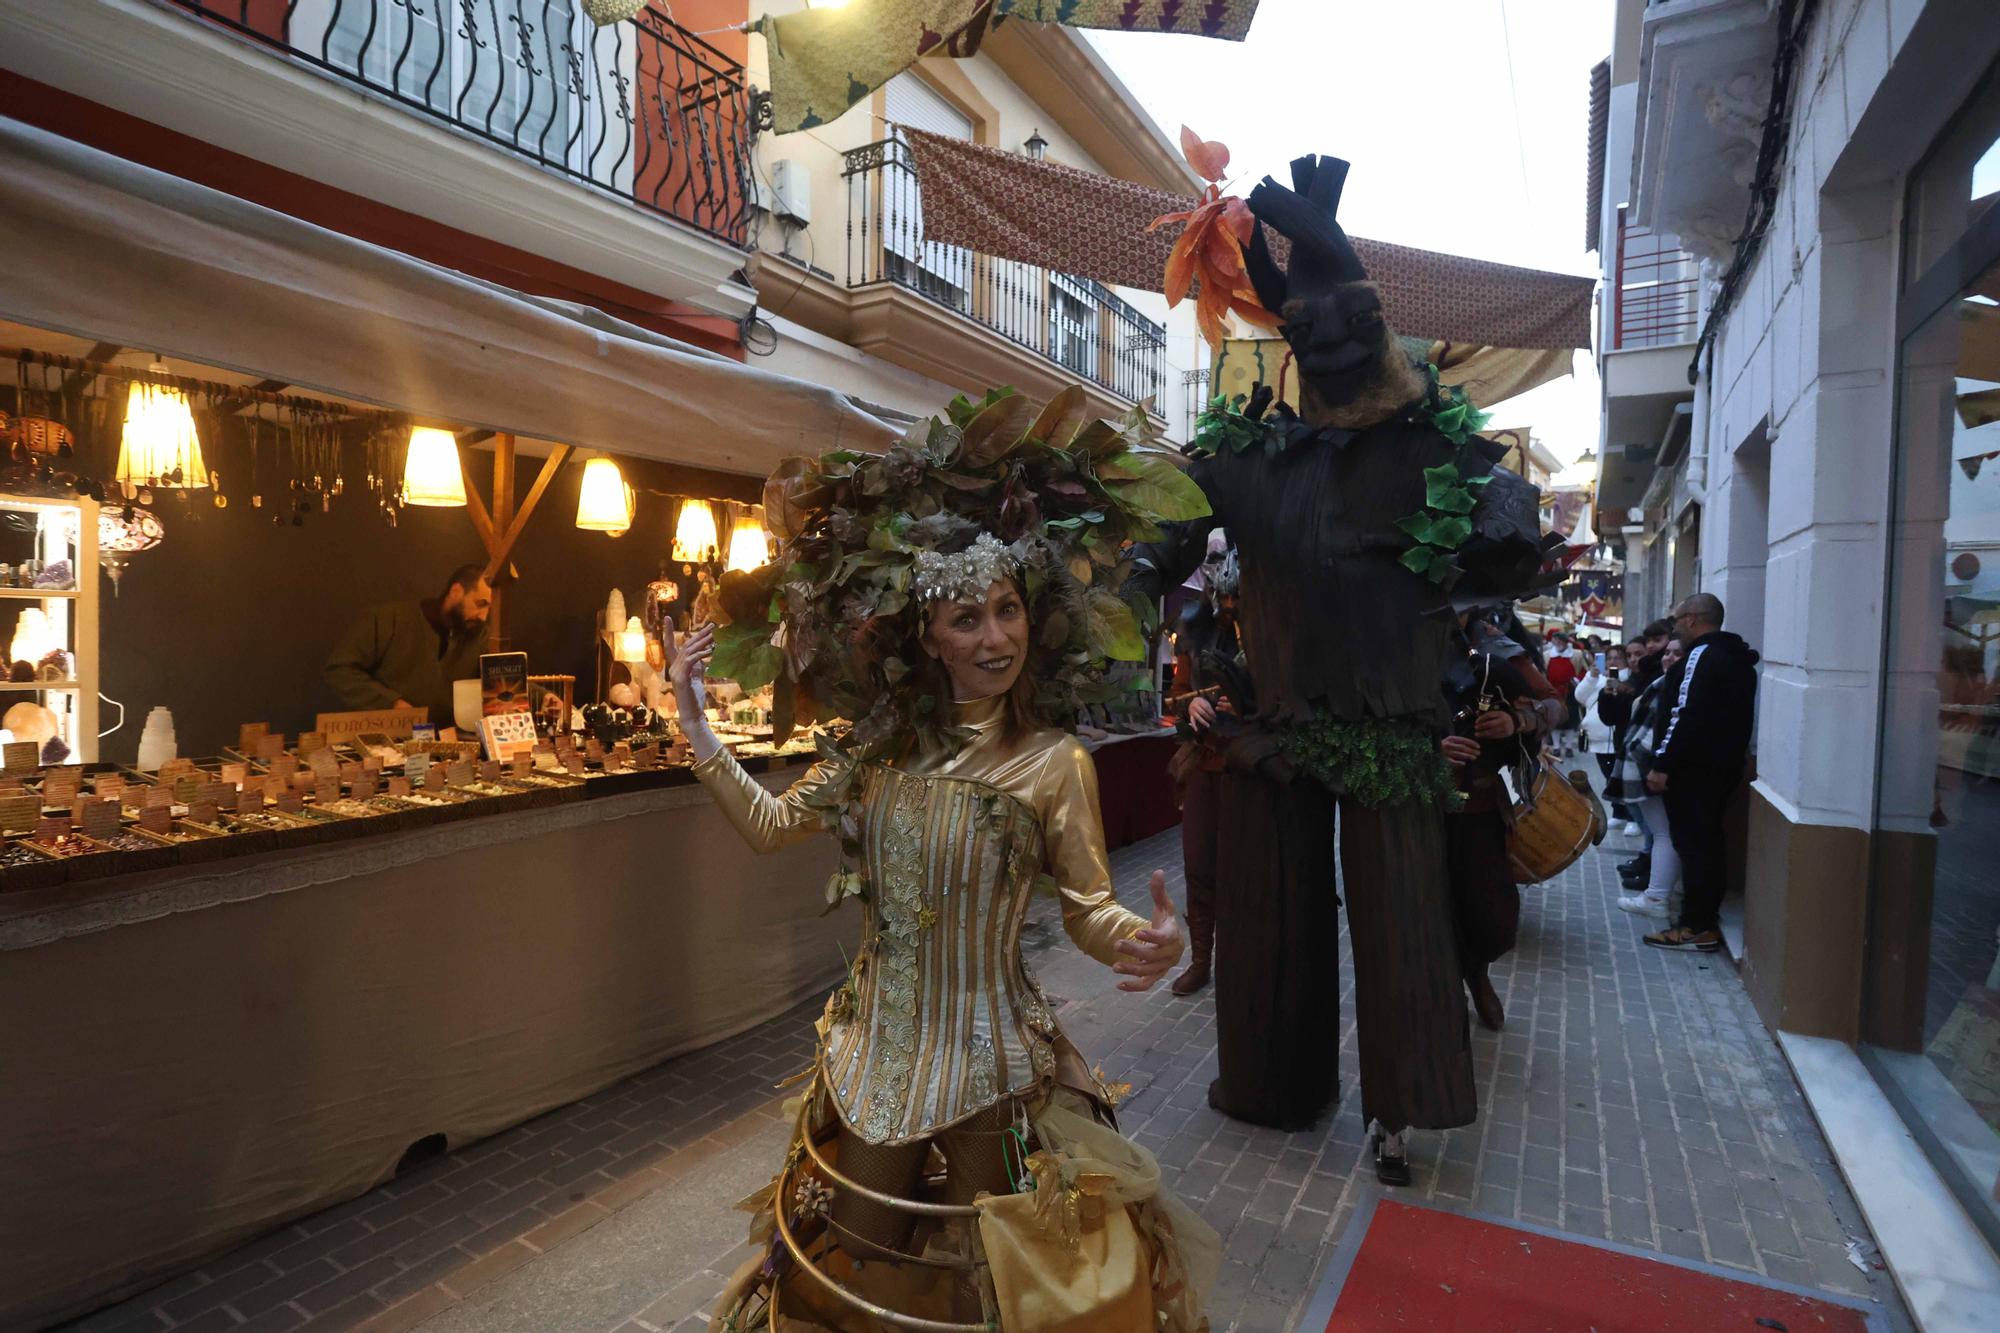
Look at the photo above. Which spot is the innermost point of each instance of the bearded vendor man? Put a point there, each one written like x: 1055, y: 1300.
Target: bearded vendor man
x: 407, y: 654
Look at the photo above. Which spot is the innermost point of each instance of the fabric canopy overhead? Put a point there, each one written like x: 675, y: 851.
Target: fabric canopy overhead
x: 1488, y: 375
x: 104, y: 248
x: 999, y: 203
x: 825, y: 60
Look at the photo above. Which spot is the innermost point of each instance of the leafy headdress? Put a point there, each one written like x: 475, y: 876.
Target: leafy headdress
x: 993, y: 489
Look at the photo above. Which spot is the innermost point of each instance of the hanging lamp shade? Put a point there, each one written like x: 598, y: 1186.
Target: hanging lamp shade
x: 604, y: 501
x: 159, y: 446
x: 748, y: 547
x: 431, y: 474
x: 695, y: 535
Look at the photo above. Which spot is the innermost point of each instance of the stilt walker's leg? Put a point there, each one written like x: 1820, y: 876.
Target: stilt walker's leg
x: 1409, y: 998
x: 1277, y: 960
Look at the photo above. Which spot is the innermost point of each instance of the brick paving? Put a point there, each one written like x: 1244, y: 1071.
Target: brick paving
x: 1634, y: 1096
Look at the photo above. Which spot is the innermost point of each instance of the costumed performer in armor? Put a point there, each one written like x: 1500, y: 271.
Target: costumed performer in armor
x: 1353, y: 518
x: 955, y: 1159
x: 1501, y: 704
x: 1205, y: 655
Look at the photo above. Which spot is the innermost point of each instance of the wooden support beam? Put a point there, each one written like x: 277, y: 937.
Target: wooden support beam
x: 550, y: 466
x: 475, y: 509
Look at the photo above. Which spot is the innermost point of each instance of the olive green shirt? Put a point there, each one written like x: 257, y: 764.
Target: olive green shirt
x: 393, y: 652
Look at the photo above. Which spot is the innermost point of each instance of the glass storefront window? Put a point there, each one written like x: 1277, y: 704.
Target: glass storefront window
x: 1955, y: 185
x: 1938, y: 791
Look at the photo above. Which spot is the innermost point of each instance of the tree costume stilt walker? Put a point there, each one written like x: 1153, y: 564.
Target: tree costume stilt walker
x: 1355, y: 518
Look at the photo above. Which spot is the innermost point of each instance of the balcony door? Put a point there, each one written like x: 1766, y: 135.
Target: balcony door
x: 941, y: 272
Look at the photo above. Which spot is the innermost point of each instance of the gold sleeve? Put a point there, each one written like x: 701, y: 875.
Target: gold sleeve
x: 1073, y: 833
x: 767, y: 822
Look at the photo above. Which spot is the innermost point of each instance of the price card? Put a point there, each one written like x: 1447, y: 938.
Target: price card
x: 323, y: 763
x: 458, y: 773
x: 202, y: 812
x: 304, y: 780
x: 291, y: 801
x: 51, y: 827
x: 593, y: 750
x: 100, y: 818
x: 327, y: 791
x: 156, y: 797
x: 221, y: 794
x: 156, y: 819
x: 371, y: 763
x: 59, y: 790
x: 522, y: 765
x: 284, y: 765
x: 19, y: 813
x: 175, y: 768
x: 490, y: 771
x: 186, y: 788
x: 236, y: 774
x: 249, y: 733
x: 310, y: 742
x: 399, y: 786
x: 418, y: 766
x: 111, y: 785
x: 270, y: 747
x: 350, y: 773
x: 20, y: 756
x: 574, y: 763
x: 363, y: 785
x: 250, y: 801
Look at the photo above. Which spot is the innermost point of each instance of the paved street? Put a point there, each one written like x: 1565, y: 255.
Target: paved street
x: 1633, y: 1096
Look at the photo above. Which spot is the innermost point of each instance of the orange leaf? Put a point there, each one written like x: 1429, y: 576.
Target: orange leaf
x: 1236, y: 215
x: 1165, y: 218
x: 1254, y: 313
x: 1209, y: 159
x: 1180, y: 267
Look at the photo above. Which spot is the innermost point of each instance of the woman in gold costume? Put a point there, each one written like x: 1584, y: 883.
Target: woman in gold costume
x: 954, y: 1165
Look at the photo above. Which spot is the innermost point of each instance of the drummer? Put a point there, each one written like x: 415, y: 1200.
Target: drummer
x: 1500, y: 702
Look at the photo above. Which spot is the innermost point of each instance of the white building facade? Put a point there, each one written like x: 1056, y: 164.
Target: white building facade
x: 1823, y: 172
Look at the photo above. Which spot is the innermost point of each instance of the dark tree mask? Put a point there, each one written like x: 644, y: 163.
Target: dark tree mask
x: 1332, y: 314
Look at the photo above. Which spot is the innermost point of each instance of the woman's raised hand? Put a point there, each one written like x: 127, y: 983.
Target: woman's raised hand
x: 688, y: 669
x: 1152, y: 950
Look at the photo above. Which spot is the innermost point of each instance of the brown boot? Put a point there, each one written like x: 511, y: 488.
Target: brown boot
x: 1201, y: 950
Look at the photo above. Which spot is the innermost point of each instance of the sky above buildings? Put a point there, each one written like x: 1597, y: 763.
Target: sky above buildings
x: 1465, y: 121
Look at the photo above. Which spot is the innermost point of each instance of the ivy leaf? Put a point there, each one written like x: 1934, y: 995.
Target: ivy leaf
x: 1457, y: 500
x: 1450, y: 532
x: 1152, y: 482
x: 1437, y: 481
x: 1419, y: 559
x: 1486, y: 480
x: 1418, y: 526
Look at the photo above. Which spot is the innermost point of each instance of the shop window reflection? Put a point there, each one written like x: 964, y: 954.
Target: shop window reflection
x: 1938, y: 798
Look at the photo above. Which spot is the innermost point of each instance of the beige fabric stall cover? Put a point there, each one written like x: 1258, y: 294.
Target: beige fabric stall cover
x: 1487, y: 374
x: 93, y: 245
x: 1072, y: 221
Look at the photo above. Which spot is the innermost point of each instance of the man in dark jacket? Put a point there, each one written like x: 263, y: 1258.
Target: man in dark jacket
x: 407, y: 654
x: 1699, y: 763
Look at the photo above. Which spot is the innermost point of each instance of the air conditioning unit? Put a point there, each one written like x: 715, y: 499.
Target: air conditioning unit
x: 791, y: 191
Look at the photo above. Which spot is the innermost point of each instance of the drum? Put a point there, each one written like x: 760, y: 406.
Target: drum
x: 1553, y: 826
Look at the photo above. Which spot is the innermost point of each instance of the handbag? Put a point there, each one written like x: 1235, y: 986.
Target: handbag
x: 1064, y: 1258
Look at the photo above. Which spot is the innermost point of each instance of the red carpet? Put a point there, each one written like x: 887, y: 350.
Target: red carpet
x: 1420, y: 1268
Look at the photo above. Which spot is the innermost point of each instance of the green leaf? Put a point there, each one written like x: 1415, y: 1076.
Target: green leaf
x: 1457, y: 500
x: 1419, y: 559
x: 1486, y: 480
x: 1111, y: 628
x: 1418, y: 526
x: 1438, y: 480
x: 743, y: 653
x: 1151, y: 482
x: 1450, y: 532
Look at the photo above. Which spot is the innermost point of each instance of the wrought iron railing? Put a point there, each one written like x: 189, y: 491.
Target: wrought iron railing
x: 1656, y: 299
x: 1076, y: 322
x: 645, y: 109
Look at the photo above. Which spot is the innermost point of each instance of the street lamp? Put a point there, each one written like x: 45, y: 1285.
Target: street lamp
x: 1037, y: 147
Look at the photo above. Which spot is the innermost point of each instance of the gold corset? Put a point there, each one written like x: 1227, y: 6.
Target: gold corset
x: 944, y: 1019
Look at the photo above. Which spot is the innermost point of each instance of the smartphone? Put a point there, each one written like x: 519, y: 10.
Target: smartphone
x: 1600, y: 662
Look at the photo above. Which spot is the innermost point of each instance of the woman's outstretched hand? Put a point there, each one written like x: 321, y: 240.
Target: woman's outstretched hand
x: 688, y: 671
x: 1152, y: 950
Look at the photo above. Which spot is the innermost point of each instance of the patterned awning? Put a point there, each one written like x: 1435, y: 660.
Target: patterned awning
x: 1057, y: 217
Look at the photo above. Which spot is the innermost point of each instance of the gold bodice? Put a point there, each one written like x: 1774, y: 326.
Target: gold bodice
x: 944, y: 1018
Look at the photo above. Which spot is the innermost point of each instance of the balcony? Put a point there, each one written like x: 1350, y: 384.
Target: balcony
x: 515, y: 131
x: 644, y: 110
x: 1704, y: 88
x: 1076, y: 327
x: 1656, y: 298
